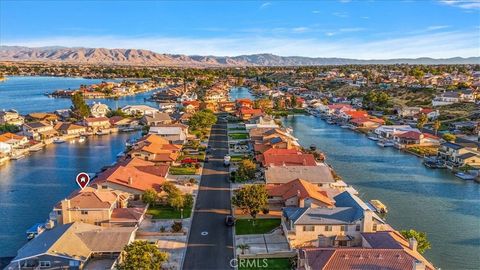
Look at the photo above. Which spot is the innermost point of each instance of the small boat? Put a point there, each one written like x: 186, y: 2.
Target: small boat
x: 330, y: 122
x: 373, y: 138
x: 121, y: 154
x: 35, y: 148
x: 17, y: 157
x: 58, y: 140
x: 385, y: 143
x: 82, y: 139
x: 379, y: 206
x: 102, y: 132
x: 313, y: 147
x: 465, y: 176
x: 35, y: 230
x: 344, y: 126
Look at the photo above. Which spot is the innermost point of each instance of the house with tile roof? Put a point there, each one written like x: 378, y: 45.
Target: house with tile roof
x: 156, y: 149
x: 297, y: 193
x: 157, y: 118
x: 73, y: 246
x: 102, y: 207
x: 379, y: 250
x: 271, y: 158
x: 97, y: 123
x: 69, y: 128
x: 320, y: 175
x: 175, y: 133
x: 14, y: 140
x: 248, y: 113
x: 338, y: 226
x: 11, y: 117
x: 457, y: 155
x: 38, y: 130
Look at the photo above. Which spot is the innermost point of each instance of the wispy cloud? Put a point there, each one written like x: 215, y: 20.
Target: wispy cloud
x: 353, y: 29
x: 300, y: 29
x: 315, y: 11
x: 465, y: 4
x: 265, y: 5
x: 438, y: 45
x: 437, y: 27
x: 340, y: 14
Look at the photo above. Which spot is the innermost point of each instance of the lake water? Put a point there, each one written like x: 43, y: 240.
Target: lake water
x: 434, y: 201
x: 27, y: 94
x: 240, y: 92
x: 30, y: 187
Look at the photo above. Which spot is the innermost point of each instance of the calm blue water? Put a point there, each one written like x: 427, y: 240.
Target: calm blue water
x: 26, y: 94
x: 434, y: 201
x: 240, y: 92
x: 30, y: 187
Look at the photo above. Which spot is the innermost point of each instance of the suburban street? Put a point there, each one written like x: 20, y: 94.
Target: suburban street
x: 210, y: 244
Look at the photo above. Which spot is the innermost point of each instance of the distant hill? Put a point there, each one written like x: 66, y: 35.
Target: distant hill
x: 137, y: 57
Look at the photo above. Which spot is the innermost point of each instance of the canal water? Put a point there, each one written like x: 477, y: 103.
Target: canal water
x: 27, y: 94
x: 434, y: 201
x: 30, y: 187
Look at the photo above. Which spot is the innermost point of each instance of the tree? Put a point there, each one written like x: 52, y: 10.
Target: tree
x: 117, y: 112
x: 422, y: 120
x: 9, y: 128
x: 422, y: 242
x: 293, y: 101
x: 150, y: 196
x: 436, y: 126
x: 449, y: 137
x: 251, y: 199
x: 79, y: 107
x: 142, y: 255
x: 202, y: 119
x: 176, y: 200
x: 246, y: 170
x: 169, y: 187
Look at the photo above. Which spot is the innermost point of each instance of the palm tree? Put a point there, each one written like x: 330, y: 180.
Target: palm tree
x: 243, y: 247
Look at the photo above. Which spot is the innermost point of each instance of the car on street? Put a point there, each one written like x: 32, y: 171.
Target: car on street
x: 229, y: 220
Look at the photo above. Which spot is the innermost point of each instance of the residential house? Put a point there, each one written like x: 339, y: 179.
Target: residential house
x: 46, y: 117
x: 367, y: 122
x: 247, y: 113
x: 297, y: 193
x: 73, y: 246
x: 156, y: 119
x: 167, y: 106
x: 99, y: 110
x: 191, y: 106
x: 339, y: 226
x: 244, y: 103
x: 447, y: 98
x: 456, y: 155
x: 416, y: 138
x: 227, y: 106
x: 390, y: 130
x: 11, y: 117
x: 38, y: 130
x: 69, y: 128
x: 95, y: 124
x: 275, y: 157
x: 175, y: 133
x: 139, y: 110
x: 156, y: 149
x: 102, y: 207
x: 261, y: 121
x: 124, y: 123
x: 320, y: 175
x: 379, y: 250
x: 14, y: 140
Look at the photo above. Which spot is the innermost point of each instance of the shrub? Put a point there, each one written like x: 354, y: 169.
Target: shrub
x: 177, y: 226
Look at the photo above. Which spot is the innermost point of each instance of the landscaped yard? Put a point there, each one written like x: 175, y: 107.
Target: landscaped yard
x: 263, y: 225
x: 237, y: 158
x: 273, y: 263
x: 182, y: 170
x: 167, y: 212
x: 238, y: 136
x: 237, y: 128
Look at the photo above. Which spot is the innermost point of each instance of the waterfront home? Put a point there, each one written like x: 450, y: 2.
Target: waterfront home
x: 73, y: 246
x: 261, y: 121
x: 285, y: 157
x: 99, y: 109
x: 338, y: 226
x: 388, y: 131
x: 320, y: 175
x: 14, y: 140
x: 38, y: 130
x: 139, y: 110
x: 244, y: 103
x: 191, y: 106
x: 69, y: 128
x: 352, y: 114
x: 415, y: 112
x: 128, y: 179
x: 46, y: 117
x: 456, y: 155
x: 415, y: 138
x: 11, y: 117
x: 297, y: 193
x: 156, y: 149
x: 160, y: 170
x: 5, y: 148
x: 367, y: 122
x: 124, y: 123
x: 379, y: 250
x: 175, y: 133
x: 102, y: 207
x: 248, y: 113
x: 167, y: 106
x: 227, y: 106
x: 334, y: 108
x: 156, y: 119
x: 210, y: 105
x: 95, y: 124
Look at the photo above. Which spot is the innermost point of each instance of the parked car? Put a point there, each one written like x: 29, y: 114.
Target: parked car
x: 206, y: 160
x: 229, y: 220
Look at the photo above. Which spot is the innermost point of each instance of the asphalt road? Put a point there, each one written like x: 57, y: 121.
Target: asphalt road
x: 210, y: 244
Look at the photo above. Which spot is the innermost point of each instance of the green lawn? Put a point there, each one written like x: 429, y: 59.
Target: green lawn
x: 237, y: 158
x: 182, y: 170
x: 167, y: 212
x: 273, y: 263
x: 238, y: 136
x: 263, y: 225
x: 237, y: 128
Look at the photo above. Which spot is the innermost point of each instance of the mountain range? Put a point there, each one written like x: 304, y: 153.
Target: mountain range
x: 138, y: 57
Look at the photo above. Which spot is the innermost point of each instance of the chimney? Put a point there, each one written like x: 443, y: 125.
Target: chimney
x: 418, y: 265
x: 412, y: 244
x: 298, y: 199
x: 130, y: 180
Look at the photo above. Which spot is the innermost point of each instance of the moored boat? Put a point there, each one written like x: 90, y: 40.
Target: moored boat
x: 465, y: 176
x: 379, y: 206
x: 58, y: 140
x: 35, y: 230
x: 82, y: 139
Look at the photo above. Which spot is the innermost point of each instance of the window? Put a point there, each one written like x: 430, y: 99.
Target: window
x: 357, y: 228
x: 84, y: 212
x: 104, y: 187
x: 44, y: 263
x: 328, y: 228
x: 59, y: 212
x: 308, y: 228
x: 374, y: 227
x: 343, y: 228
x: 73, y: 263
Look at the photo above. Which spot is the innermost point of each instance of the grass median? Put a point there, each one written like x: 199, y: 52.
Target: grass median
x: 263, y: 225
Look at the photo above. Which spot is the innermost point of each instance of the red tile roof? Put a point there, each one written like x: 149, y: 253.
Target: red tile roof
x: 289, y: 160
x: 251, y: 111
x: 410, y: 135
x: 131, y: 177
x: 299, y: 187
x: 357, y: 114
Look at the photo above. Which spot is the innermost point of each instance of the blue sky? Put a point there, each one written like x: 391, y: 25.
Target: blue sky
x: 353, y: 29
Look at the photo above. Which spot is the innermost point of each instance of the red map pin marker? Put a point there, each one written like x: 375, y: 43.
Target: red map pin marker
x: 83, y: 179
